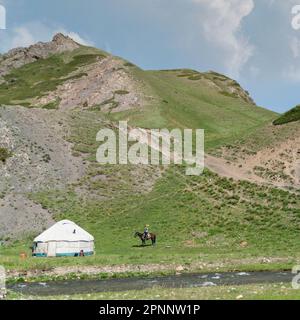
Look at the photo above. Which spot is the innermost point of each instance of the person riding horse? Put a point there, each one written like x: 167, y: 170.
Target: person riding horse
x: 146, y: 235
x: 146, y: 232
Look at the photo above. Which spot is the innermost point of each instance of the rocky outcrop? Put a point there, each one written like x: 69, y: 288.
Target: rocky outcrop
x: 104, y: 84
x: 228, y: 87
x: 18, y: 57
x: 217, y: 81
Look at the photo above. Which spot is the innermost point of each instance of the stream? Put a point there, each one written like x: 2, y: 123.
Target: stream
x: 70, y: 287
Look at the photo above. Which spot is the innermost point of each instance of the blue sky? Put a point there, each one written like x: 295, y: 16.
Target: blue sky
x: 250, y: 40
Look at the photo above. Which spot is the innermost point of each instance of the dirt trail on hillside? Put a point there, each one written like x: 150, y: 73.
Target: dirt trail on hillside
x: 276, y: 163
x: 216, y: 165
x: 245, y: 168
x: 222, y: 168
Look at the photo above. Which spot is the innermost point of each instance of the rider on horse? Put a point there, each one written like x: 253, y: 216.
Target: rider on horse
x: 146, y: 232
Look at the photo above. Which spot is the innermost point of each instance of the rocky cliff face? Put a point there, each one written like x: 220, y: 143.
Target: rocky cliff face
x: 40, y: 159
x: 18, y: 57
x: 105, y: 84
x: 96, y: 79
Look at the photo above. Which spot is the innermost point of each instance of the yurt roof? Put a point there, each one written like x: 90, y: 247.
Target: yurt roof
x: 64, y: 230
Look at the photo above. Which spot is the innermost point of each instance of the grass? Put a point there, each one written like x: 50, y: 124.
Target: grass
x: 36, y: 79
x: 205, y: 217
x: 52, y: 105
x: 245, y: 292
x: 122, y: 92
x: 290, y: 116
x: 252, y: 142
x: 174, y: 98
x: 178, y: 102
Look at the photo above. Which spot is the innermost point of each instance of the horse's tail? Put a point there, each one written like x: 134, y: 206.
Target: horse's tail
x: 154, y: 239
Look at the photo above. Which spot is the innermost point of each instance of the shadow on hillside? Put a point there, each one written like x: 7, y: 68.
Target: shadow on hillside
x: 142, y: 246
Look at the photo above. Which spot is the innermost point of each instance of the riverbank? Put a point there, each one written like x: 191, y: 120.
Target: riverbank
x: 146, y: 270
x: 189, y: 287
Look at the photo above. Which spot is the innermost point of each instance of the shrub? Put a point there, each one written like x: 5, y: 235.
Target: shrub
x: 122, y: 92
x: 4, y: 154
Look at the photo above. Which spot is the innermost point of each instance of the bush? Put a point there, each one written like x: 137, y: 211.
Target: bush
x: 122, y: 92
x: 4, y: 154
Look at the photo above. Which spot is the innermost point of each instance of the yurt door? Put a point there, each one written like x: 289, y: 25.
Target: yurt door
x: 51, y: 249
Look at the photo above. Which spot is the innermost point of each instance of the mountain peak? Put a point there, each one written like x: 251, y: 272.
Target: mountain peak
x: 61, y: 39
x: 18, y: 57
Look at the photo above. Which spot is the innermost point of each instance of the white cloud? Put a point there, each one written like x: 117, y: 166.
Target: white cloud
x: 30, y: 33
x: 22, y: 37
x: 221, y: 21
x: 292, y: 73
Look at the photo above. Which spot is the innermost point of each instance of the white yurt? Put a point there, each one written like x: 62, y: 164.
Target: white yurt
x: 65, y: 238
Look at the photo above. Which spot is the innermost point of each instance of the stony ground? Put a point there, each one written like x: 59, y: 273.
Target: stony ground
x: 275, y: 162
x: 105, y: 84
x: 199, y: 266
x: 40, y: 159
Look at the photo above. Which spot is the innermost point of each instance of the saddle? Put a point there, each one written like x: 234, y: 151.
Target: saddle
x: 148, y: 237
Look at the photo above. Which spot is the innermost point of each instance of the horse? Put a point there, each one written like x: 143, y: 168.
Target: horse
x: 141, y: 236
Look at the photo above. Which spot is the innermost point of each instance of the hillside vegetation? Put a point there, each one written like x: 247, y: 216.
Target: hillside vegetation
x: 204, y: 219
x: 290, y: 116
x: 52, y: 173
x: 36, y: 79
x: 181, y: 102
x: 269, y: 154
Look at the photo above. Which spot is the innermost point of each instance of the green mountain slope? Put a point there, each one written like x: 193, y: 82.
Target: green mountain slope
x: 290, y: 116
x: 206, y: 218
x: 198, y: 103
x: 171, y: 99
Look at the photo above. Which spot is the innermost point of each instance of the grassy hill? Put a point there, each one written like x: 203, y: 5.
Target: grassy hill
x: 173, y: 99
x: 290, y: 116
x: 206, y: 218
x: 195, y: 102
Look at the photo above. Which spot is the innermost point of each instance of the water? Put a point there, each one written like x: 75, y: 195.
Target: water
x: 179, y: 281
